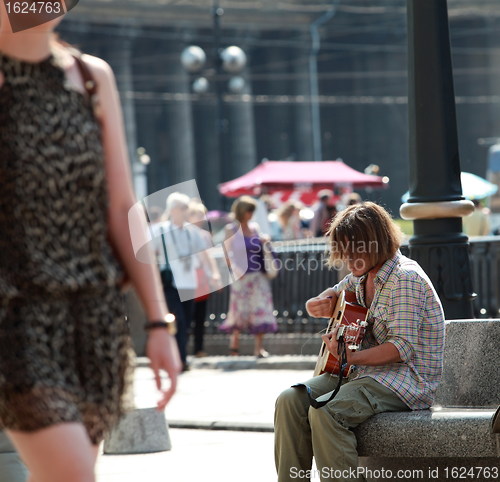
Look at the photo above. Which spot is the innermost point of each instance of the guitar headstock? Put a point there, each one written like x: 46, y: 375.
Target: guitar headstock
x: 353, y: 333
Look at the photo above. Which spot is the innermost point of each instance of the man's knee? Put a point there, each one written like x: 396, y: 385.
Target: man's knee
x: 286, y: 398
x: 291, y: 400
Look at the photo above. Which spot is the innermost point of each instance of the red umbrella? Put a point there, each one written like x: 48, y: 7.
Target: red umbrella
x: 303, y: 178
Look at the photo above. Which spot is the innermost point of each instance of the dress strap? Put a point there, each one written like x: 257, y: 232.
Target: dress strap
x: 89, y: 82
x: 88, y: 79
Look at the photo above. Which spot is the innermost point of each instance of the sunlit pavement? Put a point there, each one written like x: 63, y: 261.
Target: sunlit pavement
x: 237, y: 399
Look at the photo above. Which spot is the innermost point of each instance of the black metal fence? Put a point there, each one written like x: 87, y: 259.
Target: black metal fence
x: 304, y: 275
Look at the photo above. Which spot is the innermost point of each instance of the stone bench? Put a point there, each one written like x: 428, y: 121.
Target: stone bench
x: 454, y: 437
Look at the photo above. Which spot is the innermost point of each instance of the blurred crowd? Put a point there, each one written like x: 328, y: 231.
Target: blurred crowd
x: 293, y: 220
x: 186, y: 237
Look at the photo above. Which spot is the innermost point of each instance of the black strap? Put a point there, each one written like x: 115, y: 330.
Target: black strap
x: 177, y: 251
x: 151, y: 231
x: 343, y: 363
x: 165, y: 249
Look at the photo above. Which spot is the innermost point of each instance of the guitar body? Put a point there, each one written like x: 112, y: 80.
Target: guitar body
x: 351, y: 320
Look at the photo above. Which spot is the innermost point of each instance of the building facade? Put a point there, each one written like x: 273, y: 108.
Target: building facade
x: 345, y: 97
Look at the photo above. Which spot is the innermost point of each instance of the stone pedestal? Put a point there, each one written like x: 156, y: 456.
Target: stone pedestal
x: 12, y: 468
x: 471, y: 375
x: 141, y: 431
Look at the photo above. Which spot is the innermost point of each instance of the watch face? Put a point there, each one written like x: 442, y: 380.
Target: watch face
x: 170, y: 318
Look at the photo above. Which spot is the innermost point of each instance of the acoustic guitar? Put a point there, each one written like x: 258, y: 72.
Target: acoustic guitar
x: 351, y: 320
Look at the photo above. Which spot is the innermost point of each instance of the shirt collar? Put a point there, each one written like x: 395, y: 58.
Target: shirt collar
x: 387, y: 268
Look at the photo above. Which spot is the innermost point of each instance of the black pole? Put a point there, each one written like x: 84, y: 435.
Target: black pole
x: 436, y: 204
x: 220, y: 111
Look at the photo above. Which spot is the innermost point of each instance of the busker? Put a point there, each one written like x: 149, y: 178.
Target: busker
x: 400, y: 361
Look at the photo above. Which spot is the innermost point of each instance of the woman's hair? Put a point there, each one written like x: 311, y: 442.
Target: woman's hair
x: 242, y: 205
x: 286, y: 210
x: 363, y: 230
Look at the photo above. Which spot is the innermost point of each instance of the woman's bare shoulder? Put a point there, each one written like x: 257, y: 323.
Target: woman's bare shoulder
x: 99, y: 67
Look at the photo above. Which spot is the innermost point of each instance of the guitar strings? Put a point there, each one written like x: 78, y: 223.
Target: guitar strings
x: 311, y: 338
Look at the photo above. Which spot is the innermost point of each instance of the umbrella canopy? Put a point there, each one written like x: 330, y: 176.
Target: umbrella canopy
x: 473, y: 187
x: 290, y: 176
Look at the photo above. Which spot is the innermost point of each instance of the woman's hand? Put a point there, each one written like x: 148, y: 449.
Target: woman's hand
x: 162, y: 351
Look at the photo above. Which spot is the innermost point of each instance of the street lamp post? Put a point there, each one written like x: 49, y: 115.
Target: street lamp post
x: 313, y: 79
x: 436, y: 204
x: 210, y: 77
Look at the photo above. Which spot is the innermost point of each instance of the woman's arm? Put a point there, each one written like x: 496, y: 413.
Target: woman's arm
x: 161, y: 347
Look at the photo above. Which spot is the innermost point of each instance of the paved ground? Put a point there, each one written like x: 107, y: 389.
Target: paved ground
x: 197, y: 455
x: 227, y: 394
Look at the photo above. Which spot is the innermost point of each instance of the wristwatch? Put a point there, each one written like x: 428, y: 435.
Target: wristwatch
x: 168, y: 323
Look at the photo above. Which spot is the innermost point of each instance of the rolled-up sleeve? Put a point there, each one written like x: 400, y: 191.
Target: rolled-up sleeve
x: 347, y: 283
x: 404, y: 348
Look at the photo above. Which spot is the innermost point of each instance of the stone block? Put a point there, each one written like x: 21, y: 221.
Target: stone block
x: 471, y: 376
x: 140, y: 431
x: 12, y: 468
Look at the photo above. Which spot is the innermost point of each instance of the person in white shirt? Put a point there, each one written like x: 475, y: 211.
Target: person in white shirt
x: 178, y: 246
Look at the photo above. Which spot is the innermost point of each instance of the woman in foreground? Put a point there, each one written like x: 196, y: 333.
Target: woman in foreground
x: 64, y: 252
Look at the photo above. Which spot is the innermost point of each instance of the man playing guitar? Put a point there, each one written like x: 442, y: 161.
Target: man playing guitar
x: 400, y: 361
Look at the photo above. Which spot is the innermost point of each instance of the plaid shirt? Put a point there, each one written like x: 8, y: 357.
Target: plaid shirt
x: 406, y: 311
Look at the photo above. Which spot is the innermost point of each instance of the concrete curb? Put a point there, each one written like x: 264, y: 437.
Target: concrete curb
x: 217, y: 425
x: 285, y: 362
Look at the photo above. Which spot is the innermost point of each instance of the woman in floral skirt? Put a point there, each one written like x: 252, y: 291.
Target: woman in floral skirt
x: 250, y: 302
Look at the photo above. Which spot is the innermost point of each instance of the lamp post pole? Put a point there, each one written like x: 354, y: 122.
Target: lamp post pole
x: 227, y: 63
x: 220, y: 119
x: 436, y: 204
x: 313, y: 79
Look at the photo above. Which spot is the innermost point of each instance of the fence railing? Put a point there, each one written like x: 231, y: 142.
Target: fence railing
x: 304, y: 275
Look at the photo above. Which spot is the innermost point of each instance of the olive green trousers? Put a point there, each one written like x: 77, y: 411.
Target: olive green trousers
x: 302, y: 432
